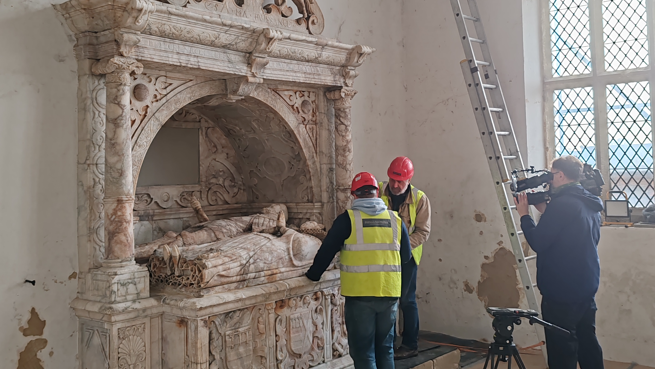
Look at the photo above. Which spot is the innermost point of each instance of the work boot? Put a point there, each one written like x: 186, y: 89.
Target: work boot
x: 404, y: 353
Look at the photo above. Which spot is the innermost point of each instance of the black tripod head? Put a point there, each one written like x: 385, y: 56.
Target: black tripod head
x: 505, y: 319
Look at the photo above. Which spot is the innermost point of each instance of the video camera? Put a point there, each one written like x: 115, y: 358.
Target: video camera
x: 592, y: 181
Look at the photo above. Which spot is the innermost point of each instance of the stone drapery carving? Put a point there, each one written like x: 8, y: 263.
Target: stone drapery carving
x: 299, y: 331
x: 303, y: 104
x: 222, y: 254
x: 343, y: 145
x: 119, y: 199
x: 132, y: 347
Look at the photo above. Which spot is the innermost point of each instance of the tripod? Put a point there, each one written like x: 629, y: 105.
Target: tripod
x: 503, y: 348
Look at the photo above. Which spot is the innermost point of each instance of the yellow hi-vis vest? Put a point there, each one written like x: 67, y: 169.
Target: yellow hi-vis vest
x: 416, y: 196
x: 370, y: 257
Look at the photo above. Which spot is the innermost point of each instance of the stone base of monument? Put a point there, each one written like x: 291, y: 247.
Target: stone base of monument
x: 283, y: 324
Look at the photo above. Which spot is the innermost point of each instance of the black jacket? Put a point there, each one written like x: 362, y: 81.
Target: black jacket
x: 335, y: 239
x: 566, y: 242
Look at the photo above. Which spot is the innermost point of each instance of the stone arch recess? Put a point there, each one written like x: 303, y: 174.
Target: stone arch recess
x: 176, y: 101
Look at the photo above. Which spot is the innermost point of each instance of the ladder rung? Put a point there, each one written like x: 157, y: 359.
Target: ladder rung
x: 469, y: 18
x: 502, y: 133
x: 476, y: 40
x: 519, y: 232
x: 512, y: 207
x: 509, y: 157
x: 496, y: 110
x: 531, y: 257
x: 491, y: 87
x: 480, y: 62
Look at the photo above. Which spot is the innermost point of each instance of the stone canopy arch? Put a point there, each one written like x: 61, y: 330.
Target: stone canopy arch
x: 277, y: 150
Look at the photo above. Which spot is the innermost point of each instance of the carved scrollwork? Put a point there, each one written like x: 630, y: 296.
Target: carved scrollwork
x: 338, y: 324
x: 132, y: 347
x: 303, y: 104
x: 127, y: 41
x: 117, y: 69
x: 147, y: 91
x: 299, y: 332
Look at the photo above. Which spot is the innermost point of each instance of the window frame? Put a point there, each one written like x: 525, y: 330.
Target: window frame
x: 598, y: 80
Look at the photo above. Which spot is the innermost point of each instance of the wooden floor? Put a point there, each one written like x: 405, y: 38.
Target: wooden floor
x: 536, y: 361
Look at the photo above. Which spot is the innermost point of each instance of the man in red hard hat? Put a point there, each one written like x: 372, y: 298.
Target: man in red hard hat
x: 374, y: 245
x: 413, y: 207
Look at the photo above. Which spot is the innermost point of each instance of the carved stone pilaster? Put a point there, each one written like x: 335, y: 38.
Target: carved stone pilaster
x: 119, y: 197
x: 343, y: 145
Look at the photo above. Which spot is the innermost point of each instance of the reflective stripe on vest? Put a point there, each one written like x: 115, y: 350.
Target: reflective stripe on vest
x: 370, y: 257
x: 417, y: 194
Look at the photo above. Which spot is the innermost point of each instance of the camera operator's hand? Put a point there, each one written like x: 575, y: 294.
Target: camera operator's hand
x: 522, y: 206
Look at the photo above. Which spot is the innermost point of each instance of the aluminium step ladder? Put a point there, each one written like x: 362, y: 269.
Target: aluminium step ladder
x: 497, y: 134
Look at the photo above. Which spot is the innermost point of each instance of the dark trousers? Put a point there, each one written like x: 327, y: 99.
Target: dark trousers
x: 582, y: 346
x: 370, y: 324
x: 408, y: 305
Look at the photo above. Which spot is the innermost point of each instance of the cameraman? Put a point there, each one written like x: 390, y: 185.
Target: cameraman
x: 568, y: 267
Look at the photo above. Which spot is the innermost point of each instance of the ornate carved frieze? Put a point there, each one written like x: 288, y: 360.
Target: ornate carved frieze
x: 303, y: 104
x: 343, y: 145
x: 132, y: 347
x: 97, y: 169
x: 299, y: 331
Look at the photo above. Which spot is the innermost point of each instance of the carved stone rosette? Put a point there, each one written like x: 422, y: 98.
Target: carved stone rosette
x: 343, y: 145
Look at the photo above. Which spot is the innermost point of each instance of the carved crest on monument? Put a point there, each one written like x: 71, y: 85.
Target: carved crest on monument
x: 299, y: 331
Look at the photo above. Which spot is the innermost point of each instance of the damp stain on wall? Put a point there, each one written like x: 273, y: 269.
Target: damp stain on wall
x: 35, y: 325
x: 499, y: 284
x: 479, y: 217
x: 468, y: 287
x: 28, y: 358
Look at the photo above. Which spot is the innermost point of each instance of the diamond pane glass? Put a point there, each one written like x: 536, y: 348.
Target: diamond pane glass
x: 569, y: 37
x: 574, y: 124
x: 625, y: 34
x: 631, y: 141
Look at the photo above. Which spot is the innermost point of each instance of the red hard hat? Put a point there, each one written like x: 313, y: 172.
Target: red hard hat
x: 363, y: 179
x: 401, y: 169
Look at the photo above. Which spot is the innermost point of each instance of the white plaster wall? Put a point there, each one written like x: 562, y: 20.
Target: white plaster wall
x: 38, y: 148
x: 378, y: 112
x: 445, y: 146
x: 626, y: 297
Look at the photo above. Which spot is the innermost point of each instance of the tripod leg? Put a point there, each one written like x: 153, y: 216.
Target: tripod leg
x: 519, y: 361
x: 487, y: 361
x: 497, y: 361
x: 509, y: 361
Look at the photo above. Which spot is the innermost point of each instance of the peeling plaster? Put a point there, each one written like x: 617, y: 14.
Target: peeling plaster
x: 480, y: 217
x: 499, y: 284
x: 35, y: 325
x: 28, y: 358
x: 468, y: 287
x: 72, y: 276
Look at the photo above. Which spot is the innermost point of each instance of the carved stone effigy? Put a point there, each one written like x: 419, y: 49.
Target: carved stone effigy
x: 228, y: 254
x: 270, y: 100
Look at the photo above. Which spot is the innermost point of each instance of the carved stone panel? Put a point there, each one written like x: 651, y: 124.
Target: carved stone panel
x: 239, y: 339
x: 338, y: 334
x: 94, y: 347
x: 132, y: 347
x: 299, y: 331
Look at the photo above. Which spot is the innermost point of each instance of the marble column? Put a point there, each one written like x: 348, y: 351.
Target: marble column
x: 343, y: 145
x: 119, y: 196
